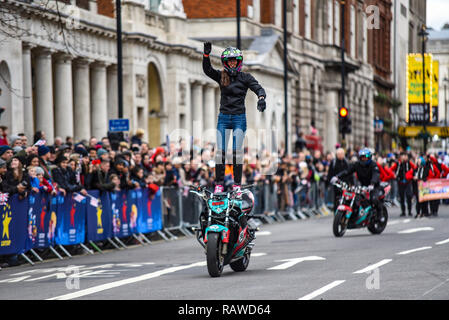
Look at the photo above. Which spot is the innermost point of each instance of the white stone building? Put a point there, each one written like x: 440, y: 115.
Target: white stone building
x: 65, y: 83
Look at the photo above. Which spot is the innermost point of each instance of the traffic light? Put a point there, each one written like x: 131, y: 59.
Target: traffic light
x: 344, y: 121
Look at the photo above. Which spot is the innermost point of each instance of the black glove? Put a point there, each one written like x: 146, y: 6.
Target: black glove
x: 261, y: 105
x: 207, y: 47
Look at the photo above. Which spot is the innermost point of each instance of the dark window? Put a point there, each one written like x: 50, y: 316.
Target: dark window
x: 83, y: 4
x: 403, y: 10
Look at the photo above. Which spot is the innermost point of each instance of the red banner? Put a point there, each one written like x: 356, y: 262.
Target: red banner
x: 433, y: 189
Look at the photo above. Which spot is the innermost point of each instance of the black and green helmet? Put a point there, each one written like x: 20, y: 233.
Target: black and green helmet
x: 232, y: 53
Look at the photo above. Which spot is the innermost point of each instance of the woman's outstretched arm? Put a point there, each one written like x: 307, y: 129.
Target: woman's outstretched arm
x: 207, y: 66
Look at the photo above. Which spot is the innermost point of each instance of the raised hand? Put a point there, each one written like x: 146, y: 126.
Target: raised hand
x: 261, y: 105
x: 207, y: 47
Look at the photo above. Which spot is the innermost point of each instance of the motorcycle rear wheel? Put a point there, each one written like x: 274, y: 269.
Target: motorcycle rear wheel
x: 340, y: 224
x: 215, y: 259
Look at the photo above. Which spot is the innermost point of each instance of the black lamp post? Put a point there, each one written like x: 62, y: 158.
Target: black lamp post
x: 239, y: 39
x: 118, y: 9
x: 445, y: 81
x: 423, y: 34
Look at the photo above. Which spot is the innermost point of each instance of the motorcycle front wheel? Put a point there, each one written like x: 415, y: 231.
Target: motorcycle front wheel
x: 340, y: 224
x: 215, y: 259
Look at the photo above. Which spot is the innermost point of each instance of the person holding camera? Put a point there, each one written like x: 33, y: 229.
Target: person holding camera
x: 65, y: 178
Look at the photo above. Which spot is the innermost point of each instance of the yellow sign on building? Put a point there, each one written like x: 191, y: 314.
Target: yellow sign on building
x: 413, y: 132
x: 418, y: 109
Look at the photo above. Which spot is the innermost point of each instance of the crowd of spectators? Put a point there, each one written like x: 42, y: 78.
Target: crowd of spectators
x: 302, y: 178
x: 298, y: 180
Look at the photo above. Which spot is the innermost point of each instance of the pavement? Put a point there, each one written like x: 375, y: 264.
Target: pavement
x: 292, y: 260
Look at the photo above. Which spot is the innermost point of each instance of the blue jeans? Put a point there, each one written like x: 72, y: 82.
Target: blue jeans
x: 227, y: 123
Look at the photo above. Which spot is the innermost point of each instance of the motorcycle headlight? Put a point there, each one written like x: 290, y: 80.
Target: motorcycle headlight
x: 218, y: 206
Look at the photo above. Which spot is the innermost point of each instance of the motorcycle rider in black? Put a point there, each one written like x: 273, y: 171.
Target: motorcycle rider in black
x: 367, y: 173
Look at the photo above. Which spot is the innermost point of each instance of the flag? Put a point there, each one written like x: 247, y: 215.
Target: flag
x: 78, y: 197
x: 93, y: 202
x: 40, y: 143
x: 3, y: 198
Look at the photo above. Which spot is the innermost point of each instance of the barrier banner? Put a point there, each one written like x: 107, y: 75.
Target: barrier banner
x: 149, y: 218
x: 99, y: 226
x: 433, y: 189
x: 120, y: 217
x: 13, y: 224
x: 135, y: 207
x: 71, y: 219
x: 39, y: 217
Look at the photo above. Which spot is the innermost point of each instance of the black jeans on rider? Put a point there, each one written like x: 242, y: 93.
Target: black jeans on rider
x: 375, y: 194
x: 337, y: 195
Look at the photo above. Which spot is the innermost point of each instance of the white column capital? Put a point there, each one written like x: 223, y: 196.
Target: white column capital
x: 197, y: 82
x: 43, y: 51
x: 99, y: 64
x: 212, y: 85
x: 63, y: 57
x: 82, y: 61
x: 28, y: 46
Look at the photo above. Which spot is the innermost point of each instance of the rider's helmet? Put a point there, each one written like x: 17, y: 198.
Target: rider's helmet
x: 231, y: 53
x: 365, y: 156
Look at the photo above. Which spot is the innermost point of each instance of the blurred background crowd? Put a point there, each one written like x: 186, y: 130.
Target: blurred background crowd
x: 28, y: 164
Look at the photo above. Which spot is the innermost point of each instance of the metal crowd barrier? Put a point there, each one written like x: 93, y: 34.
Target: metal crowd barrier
x: 42, y: 223
x: 181, y: 209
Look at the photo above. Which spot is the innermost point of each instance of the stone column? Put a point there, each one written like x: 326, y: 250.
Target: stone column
x: 28, y: 115
x: 197, y: 106
x: 209, y: 107
x: 44, y: 94
x: 112, y: 92
x: 99, y: 110
x: 81, y: 99
x: 63, y: 96
x: 330, y: 134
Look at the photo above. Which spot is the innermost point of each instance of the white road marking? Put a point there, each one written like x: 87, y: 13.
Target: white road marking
x: 258, y: 254
x: 436, y: 287
x: 442, y: 242
x: 263, y: 233
x: 373, y: 266
x: 115, y: 284
x: 391, y: 223
x: 406, y: 221
x: 416, y: 230
x: 414, y: 250
x: 318, y: 292
x: 291, y: 262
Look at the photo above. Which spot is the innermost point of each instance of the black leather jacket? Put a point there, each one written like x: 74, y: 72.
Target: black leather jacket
x: 367, y: 175
x: 233, y: 96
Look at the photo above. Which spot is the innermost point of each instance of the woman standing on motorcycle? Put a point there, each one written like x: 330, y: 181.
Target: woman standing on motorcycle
x: 234, y: 85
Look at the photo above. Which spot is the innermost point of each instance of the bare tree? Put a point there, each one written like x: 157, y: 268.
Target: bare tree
x: 15, y: 17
